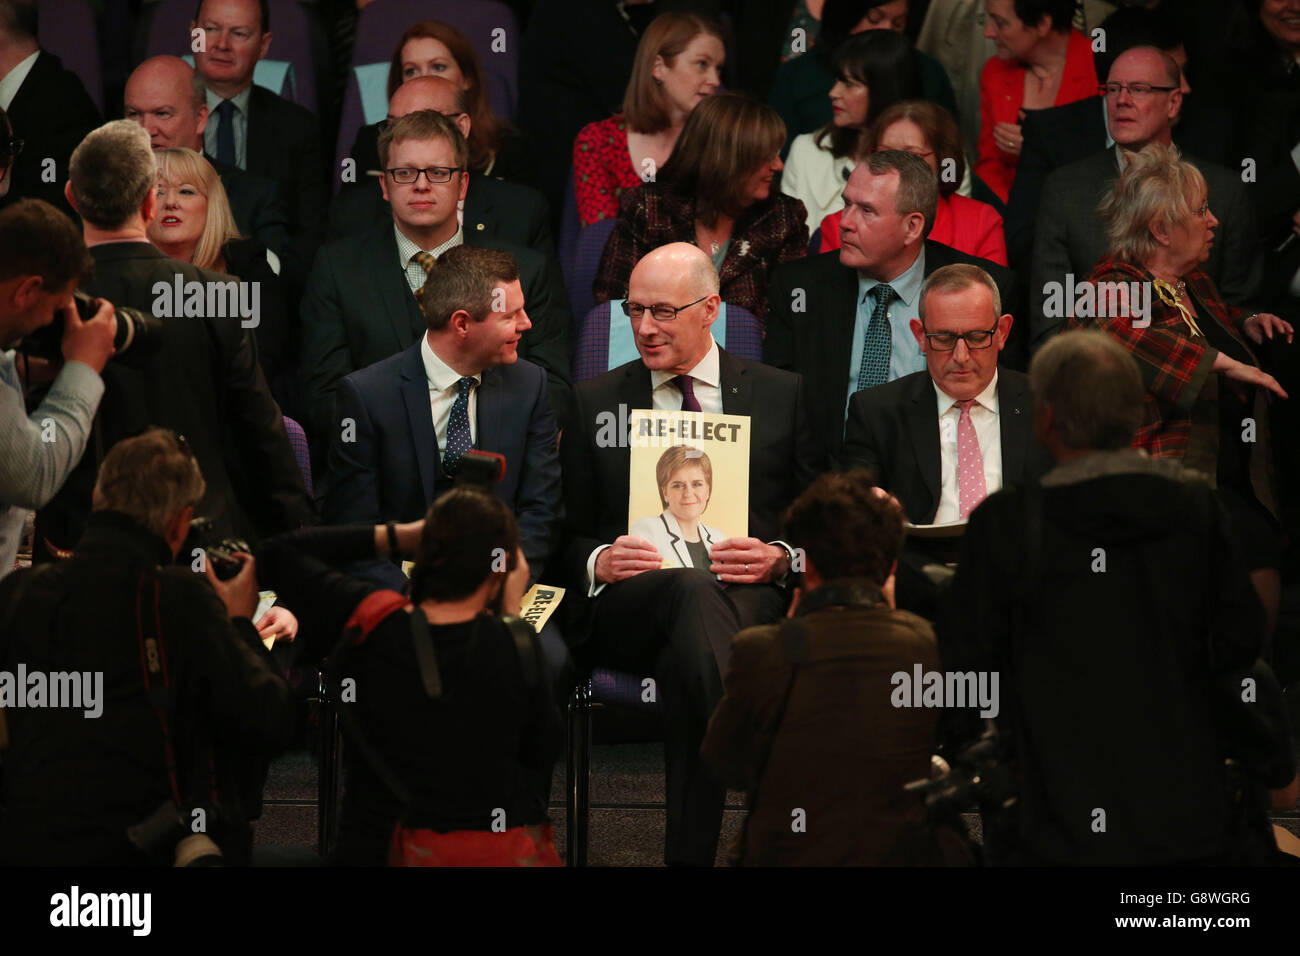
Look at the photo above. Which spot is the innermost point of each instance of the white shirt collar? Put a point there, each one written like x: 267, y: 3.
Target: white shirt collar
x: 987, y: 398
x: 707, y: 371
x: 440, y: 376
x: 14, y: 79
x: 406, y: 249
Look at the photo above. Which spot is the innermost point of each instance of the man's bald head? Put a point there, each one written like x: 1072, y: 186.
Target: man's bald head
x: 427, y: 93
x: 166, y: 96
x: 682, y: 276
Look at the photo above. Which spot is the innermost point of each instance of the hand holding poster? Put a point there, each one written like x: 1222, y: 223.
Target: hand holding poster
x: 689, y: 484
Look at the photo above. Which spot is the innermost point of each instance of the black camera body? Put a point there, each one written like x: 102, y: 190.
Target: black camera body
x: 220, y: 553
x: 138, y: 333
x: 167, y: 835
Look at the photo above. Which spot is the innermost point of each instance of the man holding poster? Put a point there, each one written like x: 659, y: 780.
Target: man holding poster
x: 630, y: 612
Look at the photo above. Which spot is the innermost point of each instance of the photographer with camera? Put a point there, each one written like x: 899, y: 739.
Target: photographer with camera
x: 452, y: 729
x: 42, y: 258
x: 161, y: 754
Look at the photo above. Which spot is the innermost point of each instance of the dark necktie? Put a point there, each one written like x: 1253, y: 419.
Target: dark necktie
x: 458, y: 439
x: 877, y: 341
x: 226, y: 132
x: 687, y: 385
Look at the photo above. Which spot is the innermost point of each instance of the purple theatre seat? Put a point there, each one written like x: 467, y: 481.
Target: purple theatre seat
x: 298, y: 39
x: 585, y: 263
x: 298, y: 440
x: 67, y: 29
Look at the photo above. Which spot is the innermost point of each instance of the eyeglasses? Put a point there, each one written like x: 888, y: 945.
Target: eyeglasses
x: 947, y: 341
x: 1139, y: 91
x: 10, y: 148
x: 1205, y: 208
x: 895, y: 149
x: 405, y: 175
x: 660, y: 310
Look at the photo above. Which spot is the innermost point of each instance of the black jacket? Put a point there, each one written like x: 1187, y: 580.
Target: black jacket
x: 818, y: 341
x: 203, y: 382
x: 72, y: 784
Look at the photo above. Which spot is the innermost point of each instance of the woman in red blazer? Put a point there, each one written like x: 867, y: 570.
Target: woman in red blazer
x: 929, y: 131
x: 1041, y: 62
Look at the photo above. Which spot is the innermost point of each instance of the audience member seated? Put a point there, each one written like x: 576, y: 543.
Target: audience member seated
x: 224, y: 710
x: 714, y: 191
x: 801, y: 86
x: 257, y: 130
x: 1041, y: 62
x: 1194, y: 349
x: 873, y: 71
x: 491, y: 209
x: 197, y: 375
x: 841, y: 319
x: 361, y: 307
x: 167, y: 98
x: 678, y: 63
x: 805, y: 720
x: 461, y: 386
x: 495, y: 722
x: 928, y: 131
x: 676, y: 624
x: 49, y: 109
x: 1069, y: 235
x: 194, y: 224
x: 433, y: 48
x: 1119, y: 576
x: 42, y: 258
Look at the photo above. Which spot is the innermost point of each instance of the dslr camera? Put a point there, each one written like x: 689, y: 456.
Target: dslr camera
x: 220, y: 552
x: 138, y: 333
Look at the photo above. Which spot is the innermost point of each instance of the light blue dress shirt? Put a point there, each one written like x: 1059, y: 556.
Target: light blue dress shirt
x: 905, y: 356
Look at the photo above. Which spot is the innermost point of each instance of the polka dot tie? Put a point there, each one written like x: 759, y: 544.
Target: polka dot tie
x: 877, y: 341
x: 970, y: 463
x: 458, y: 440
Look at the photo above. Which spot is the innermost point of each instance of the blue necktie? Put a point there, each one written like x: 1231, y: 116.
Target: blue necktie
x: 226, y: 132
x: 458, y: 440
x: 877, y: 342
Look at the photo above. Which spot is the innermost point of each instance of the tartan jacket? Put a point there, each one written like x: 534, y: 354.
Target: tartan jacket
x: 653, y: 215
x: 1180, y: 418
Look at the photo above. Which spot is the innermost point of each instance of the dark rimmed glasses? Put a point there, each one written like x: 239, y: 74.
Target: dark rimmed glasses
x: 405, y: 175
x: 947, y: 341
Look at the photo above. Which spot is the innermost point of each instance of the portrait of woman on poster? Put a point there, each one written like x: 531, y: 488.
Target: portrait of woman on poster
x: 684, y: 477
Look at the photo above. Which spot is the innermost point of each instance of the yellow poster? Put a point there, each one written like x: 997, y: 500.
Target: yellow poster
x: 689, y: 484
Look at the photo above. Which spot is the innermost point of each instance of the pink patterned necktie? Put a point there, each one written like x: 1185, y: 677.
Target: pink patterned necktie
x: 970, y: 463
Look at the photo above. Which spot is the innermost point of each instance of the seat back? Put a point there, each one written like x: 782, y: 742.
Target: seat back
x: 588, y: 249
x: 298, y: 440
x: 605, y: 340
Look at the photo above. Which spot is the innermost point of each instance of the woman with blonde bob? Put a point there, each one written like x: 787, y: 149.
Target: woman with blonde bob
x: 684, y: 477
x: 678, y: 63
x: 715, y: 191
x: 1203, y: 380
x: 194, y: 224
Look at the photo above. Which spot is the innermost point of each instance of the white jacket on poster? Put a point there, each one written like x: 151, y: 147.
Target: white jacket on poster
x: 665, y: 534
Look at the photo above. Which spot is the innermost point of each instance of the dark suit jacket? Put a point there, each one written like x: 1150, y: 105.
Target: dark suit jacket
x: 893, y: 430
x: 1060, y: 135
x: 359, y: 310
x: 390, y: 471
x: 782, y: 458
x: 494, y: 209
x: 1069, y: 236
x: 284, y: 144
x: 256, y: 203
x: 51, y: 113
x: 203, y: 382
x: 818, y: 342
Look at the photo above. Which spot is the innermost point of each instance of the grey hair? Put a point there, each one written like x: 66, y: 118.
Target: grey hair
x: 149, y: 477
x: 954, y: 278
x: 1093, y: 387
x: 111, y: 173
x: 1156, y: 186
x: 918, y: 187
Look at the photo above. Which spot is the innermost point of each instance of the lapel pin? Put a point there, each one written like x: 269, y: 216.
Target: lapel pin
x: 735, y: 390
x: 479, y: 227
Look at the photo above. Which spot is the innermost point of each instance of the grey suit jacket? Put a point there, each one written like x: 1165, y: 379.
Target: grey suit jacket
x: 1070, y: 237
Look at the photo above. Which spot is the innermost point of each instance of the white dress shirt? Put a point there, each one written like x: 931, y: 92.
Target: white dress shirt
x: 407, y: 251
x: 984, y: 415
x: 14, y: 79
x: 444, y: 389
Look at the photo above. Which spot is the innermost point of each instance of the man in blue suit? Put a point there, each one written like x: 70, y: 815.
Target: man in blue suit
x: 407, y: 420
